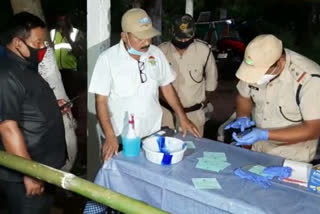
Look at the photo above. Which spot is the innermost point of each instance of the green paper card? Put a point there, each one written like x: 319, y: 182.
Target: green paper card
x: 215, y: 155
x: 206, y: 183
x: 190, y: 145
x: 257, y: 169
x: 212, y: 166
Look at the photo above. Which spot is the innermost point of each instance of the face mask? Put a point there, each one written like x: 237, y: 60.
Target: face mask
x: 181, y: 45
x: 60, y: 24
x: 266, y: 79
x: 133, y: 51
x: 36, y: 55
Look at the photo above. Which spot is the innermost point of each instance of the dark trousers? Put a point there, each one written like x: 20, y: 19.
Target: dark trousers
x: 19, y: 203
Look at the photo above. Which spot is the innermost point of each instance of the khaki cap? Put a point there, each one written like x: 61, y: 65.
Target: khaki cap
x: 137, y: 22
x: 261, y: 53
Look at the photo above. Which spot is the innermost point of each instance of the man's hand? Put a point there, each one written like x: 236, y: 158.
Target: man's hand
x: 110, y: 148
x: 252, y: 137
x: 241, y: 123
x: 65, y: 107
x: 33, y: 186
x: 187, y: 125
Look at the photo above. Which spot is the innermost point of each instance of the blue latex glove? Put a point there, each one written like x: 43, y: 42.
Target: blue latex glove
x: 240, y: 123
x: 277, y: 171
x: 253, y: 136
x: 258, y: 179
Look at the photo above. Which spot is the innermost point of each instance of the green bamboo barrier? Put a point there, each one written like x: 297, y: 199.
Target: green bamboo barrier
x: 78, y: 185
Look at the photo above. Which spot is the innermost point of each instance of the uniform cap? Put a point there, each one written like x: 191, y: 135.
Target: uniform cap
x: 261, y: 53
x: 184, y: 27
x: 137, y: 22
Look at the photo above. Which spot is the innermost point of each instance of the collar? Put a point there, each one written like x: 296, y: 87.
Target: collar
x: 22, y: 63
x: 173, y: 49
x: 285, y: 72
x: 122, y: 49
x: 124, y: 53
x: 11, y: 55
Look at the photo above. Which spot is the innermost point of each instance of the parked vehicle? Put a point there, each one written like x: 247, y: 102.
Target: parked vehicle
x: 227, y: 45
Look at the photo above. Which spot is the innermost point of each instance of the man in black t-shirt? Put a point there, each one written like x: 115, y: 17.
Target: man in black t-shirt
x: 31, y: 124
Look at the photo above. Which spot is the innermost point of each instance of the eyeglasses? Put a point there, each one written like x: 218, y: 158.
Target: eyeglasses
x: 143, y: 76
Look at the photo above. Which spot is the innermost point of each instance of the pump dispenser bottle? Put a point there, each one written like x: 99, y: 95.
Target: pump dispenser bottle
x: 130, y: 141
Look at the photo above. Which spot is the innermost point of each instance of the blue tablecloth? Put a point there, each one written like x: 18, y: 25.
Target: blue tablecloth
x: 170, y: 187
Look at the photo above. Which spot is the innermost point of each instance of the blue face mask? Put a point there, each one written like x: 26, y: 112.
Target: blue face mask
x: 133, y: 51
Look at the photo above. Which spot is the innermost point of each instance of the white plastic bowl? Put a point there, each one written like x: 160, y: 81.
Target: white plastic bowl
x: 174, y: 146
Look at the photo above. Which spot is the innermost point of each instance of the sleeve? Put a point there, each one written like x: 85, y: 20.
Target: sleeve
x: 11, y: 98
x: 101, y: 79
x: 310, y: 99
x: 167, y: 73
x: 211, y: 73
x: 243, y: 89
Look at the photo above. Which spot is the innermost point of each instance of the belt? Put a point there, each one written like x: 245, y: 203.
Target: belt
x: 186, y: 110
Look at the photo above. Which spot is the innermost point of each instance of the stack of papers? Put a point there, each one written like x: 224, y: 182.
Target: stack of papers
x: 300, y: 172
x: 213, y: 161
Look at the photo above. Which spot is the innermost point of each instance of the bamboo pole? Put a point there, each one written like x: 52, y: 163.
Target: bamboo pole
x: 78, y: 185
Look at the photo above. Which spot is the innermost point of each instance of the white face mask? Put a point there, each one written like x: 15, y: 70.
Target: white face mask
x: 266, y: 79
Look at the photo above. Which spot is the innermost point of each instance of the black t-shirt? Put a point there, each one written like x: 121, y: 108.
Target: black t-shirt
x: 27, y: 98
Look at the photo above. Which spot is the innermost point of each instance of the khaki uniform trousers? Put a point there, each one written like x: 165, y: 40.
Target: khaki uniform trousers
x: 197, y: 117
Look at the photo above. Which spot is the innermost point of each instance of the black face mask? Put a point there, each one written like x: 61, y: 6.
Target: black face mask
x: 181, y: 45
x: 36, y: 55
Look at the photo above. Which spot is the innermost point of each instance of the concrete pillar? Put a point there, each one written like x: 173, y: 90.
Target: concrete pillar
x: 98, y: 40
x: 189, y: 7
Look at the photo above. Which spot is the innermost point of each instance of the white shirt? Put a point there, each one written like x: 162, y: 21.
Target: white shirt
x: 117, y: 76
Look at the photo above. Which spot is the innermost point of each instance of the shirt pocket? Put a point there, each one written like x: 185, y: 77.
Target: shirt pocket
x: 195, y: 72
x: 125, y: 81
x: 290, y: 111
x: 152, y: 71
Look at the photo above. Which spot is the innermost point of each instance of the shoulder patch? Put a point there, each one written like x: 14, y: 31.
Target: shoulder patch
x: 300, y: 76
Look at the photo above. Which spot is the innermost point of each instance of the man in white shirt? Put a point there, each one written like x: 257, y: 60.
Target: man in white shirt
x: 127, y: 77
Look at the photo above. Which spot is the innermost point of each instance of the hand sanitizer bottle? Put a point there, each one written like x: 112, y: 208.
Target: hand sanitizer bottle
x: 130, y: 141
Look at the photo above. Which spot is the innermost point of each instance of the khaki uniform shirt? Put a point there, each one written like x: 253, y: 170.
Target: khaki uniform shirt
x: 192, y: 80
x: 275, y: 105
x: 190, y: 83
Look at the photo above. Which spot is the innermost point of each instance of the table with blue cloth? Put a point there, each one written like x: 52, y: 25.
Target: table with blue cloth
x: 170, y: 187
